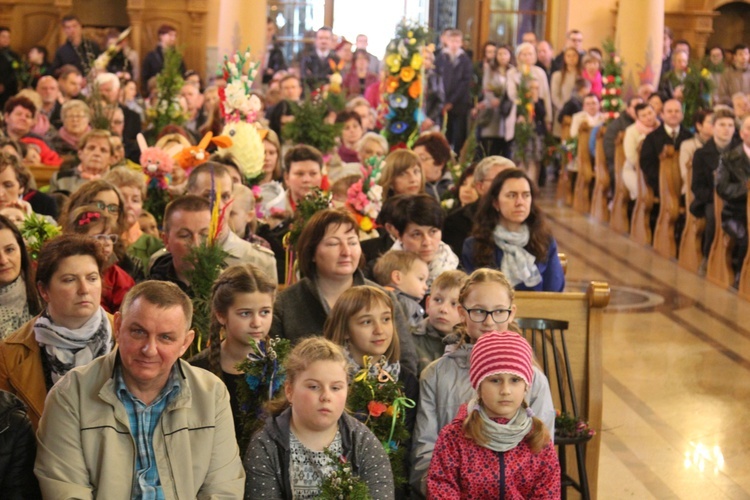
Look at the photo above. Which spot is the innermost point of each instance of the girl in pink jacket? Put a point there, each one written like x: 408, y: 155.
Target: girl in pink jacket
x: 495, y: 447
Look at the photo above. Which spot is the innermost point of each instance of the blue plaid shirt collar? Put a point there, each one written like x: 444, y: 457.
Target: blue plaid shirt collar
x: 143, y: 420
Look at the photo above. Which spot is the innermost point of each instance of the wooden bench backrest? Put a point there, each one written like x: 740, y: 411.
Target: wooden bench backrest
x: 744, y: 288
x: 602, y: 181
x: 719, y: 267
x: 582, y: 192
x: 640, y: 225
x: 583, y: 311
x: 42, y: 174
x: 619, y: 221
x: 669, y: 206
x: 565, y: 128
x: 691, y: 254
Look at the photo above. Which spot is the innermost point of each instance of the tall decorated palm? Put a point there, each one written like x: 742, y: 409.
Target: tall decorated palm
x: 403, y: 87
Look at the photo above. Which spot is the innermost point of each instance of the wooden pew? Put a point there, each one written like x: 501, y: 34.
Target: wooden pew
x: 583, y: 311
x: 582, y: 193
x: 719, y: 267
x: 619, y: 221
x: 564, y: 188
x: 42, y: 174
x: 744, y: 288
x: 669, y: 208
x: 599, y: 210
x: 691, y: 253
x: 640, y: 225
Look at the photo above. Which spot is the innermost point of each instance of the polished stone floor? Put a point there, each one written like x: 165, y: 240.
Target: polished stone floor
x: 676, y: 370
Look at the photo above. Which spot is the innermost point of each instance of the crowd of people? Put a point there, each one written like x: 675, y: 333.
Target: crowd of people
x: 97, y: 319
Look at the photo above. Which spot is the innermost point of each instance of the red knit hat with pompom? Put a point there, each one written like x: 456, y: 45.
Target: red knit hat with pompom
x: 500, y: 352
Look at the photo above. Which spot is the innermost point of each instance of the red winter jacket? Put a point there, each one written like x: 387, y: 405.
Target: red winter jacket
x: 116, y: 283
x: 460, y: 468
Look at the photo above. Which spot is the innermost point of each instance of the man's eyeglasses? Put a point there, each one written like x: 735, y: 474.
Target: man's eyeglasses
x: 107, y: 237
x: 479, y: 315
x: 111, y: 208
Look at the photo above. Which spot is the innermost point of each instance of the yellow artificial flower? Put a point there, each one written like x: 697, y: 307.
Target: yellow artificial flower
x: 410, y: 34
x: 408, y: 73
x: 393, y: 61
x: 704, y: 73
x: 416, y: 61
x: 412, y: 41
x: 365, y: 224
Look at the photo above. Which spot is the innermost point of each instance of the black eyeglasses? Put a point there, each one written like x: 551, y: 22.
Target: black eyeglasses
x: 479, y: 315
x: 107, y: 237
x: 111, y: 208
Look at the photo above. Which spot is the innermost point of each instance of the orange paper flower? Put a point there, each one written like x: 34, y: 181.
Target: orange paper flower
x: 391, y: 84
x: 376, y: 408
x: 408, y: 73
x: 415, y: 89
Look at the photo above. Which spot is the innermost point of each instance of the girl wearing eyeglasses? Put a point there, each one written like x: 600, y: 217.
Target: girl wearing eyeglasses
x: 106, y: 197
x: 486, y: 305
x: 92, y: 221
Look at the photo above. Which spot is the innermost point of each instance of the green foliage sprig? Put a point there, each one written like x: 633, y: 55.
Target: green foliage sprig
x: 36, y: 230
x: 169, y: 82
x: 378, y: 401
x: 524, y: 131
x: 264, y: 378
x: 312, y: 203
x: 567, y: 426
x: 342, y: 484
x: 206, y: 261
x: 310, y: 127
x: 696, y: 92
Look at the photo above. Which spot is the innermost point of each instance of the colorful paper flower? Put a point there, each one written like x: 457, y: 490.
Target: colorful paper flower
x: 391, y: 84
x: 393, y: 61
x: 416, y: 61
x: 407, y: 74
x: 398, y: 127
x: 415, y: 89
x: 376, y: 408
x: 398, y: 101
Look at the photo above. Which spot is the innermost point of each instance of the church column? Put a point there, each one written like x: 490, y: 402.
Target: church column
x: 242, y: 24
x: 639, y: 39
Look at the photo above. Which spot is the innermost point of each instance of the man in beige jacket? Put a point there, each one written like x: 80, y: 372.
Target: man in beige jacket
x: 140, y: 422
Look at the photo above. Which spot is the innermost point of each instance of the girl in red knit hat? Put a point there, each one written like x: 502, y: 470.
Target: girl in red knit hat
x: 495, y: 447
x: 485, y: 305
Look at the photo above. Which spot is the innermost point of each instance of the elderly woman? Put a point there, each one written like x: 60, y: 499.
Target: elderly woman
x: 329, y: 258
x: 95, y: 155
x: 72, y: 330
x: 14, y: 186
x: 511, y: 234
x: 76, y: 122
x: 434, y: 153
x: 371, y: 144
x: 402, y: 174
x: 140, y: 246
x: 19, y: 301
x: 107, y: 197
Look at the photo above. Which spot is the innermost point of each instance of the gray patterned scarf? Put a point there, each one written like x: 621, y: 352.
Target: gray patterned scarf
x: 518, y: 265
x: 66, y: 349
x: 503, y: 437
